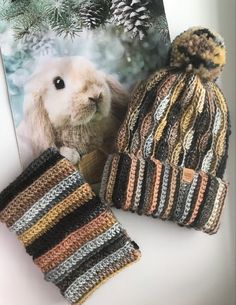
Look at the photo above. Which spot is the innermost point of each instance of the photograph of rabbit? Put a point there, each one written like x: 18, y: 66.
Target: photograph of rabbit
x: 72, y: 93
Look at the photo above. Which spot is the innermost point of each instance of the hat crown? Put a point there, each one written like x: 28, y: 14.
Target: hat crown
x: 176, y: 118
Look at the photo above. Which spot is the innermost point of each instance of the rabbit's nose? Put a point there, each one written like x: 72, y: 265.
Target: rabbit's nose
x: 96, y: 99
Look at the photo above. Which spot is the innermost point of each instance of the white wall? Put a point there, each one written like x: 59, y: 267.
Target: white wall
x: 178, y: 267
x: 221, y: 16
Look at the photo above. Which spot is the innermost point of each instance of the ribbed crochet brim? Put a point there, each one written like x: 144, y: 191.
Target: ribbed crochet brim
x: 189, y: 198
x: 73, y: 237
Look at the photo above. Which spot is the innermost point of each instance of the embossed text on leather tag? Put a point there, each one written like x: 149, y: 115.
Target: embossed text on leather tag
x: 188, y: 175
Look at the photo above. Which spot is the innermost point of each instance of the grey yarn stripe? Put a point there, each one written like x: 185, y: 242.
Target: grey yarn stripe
x: 183, y: 191
x: 60, y: 272
x: 163, y: 190
x: 157, y: 116
x: 189, y: 198
x: 44, y: 204
x: 209, y: 203
x: 90, y: 278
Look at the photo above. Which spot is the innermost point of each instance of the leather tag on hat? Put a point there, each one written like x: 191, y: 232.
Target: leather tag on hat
x: 188, y: 175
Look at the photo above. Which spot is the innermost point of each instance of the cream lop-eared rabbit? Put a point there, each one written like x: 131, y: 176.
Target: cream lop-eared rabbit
x: 72, y: 106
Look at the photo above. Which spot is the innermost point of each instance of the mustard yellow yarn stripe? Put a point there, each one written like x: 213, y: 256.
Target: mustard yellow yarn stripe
x: 66, y: 206
x: 188, y: 117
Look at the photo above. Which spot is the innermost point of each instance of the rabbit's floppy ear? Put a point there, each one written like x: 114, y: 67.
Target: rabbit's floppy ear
x: 120, y: 98
x: 38, y: 123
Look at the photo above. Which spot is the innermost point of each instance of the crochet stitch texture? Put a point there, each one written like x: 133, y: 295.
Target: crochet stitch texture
x: 73, y: 238
x: 172, y: 147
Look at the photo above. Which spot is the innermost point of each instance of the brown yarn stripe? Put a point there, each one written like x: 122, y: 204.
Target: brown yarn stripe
x: 200, y: 195
x: 75, y: 240
x: 22, y: 202
x: 137, y: 100
x: 79, y: 197
x: 112, y: 179
x: 150, y: 189
x: 199, y: 198
x: 156, y: 192
x: 131, y: 184
x: 30, y: 174
x: 62, y: 225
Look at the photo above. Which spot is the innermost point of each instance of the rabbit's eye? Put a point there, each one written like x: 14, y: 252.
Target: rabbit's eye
x: 59, y: 83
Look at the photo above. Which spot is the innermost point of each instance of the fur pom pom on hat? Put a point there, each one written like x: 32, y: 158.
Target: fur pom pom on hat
x: 200, y: 51
x: 172, y: 147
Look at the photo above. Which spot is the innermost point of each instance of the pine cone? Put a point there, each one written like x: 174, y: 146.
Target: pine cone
x: 40, y: 43
x: 133, y: 15
x: 92, y: 15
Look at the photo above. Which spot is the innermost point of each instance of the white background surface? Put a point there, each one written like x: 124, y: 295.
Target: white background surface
x: 178, y: 266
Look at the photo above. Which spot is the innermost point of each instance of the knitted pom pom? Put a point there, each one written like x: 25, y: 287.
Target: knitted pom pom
x: 200, y: 51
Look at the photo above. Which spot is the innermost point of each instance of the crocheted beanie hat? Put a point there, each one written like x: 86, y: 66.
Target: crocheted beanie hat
x: 172, y: 147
